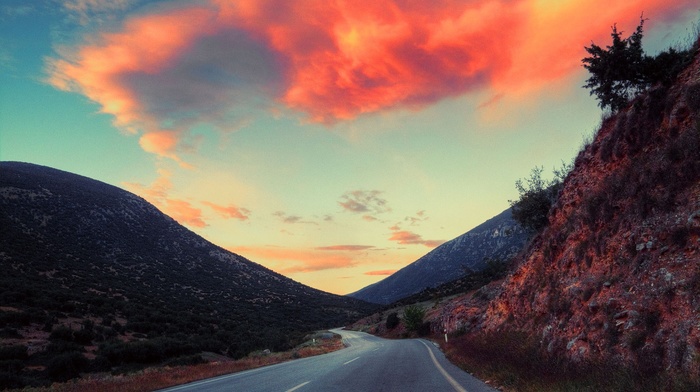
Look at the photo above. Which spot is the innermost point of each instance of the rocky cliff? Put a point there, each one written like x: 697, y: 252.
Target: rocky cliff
x: 616, y: 274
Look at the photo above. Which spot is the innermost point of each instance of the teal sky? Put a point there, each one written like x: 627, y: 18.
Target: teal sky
x: 335, y: 152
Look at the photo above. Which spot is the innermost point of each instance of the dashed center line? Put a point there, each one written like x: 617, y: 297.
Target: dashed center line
x: 351, y: 360
x: 298, y: 386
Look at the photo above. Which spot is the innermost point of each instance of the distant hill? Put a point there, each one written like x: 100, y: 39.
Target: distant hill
x: 110, y: 272
x: 498, y: 238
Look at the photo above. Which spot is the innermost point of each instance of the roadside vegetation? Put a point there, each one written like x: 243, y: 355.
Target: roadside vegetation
x: 515, y: 361
x: 170, y: 375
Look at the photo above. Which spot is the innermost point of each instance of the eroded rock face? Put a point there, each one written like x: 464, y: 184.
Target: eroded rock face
x: 617, y: 272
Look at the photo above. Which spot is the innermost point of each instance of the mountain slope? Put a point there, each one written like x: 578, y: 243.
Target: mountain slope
x: 615, y: 277
x: 72, y: 248
x: 498, y: 238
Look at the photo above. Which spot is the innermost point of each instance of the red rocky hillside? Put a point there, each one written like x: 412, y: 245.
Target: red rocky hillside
x: 616, y: 274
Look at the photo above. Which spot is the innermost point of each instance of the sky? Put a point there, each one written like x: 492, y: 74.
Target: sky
x: 332, y: 141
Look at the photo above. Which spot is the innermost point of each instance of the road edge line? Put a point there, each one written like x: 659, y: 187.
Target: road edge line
x: 447, y: 376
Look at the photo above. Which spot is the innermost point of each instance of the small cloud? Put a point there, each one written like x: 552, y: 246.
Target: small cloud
x: 491, y: 101
x: 162, y: 143
x: 157, y: 194
x: 15, y: 11
x: 87, y: 11
x: 405, y: 237
x: 183, y: 212
x: 349, y: 248
x: 380, y: 272
x: 230, y: 211
x: 368, y: 203
x: 418, y: 218
x: 291, y: 219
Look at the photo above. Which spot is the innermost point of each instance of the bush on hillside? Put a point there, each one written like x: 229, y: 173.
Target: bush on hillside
x: 392, y: 320
x: 537, y: 196
x: 413, y: 317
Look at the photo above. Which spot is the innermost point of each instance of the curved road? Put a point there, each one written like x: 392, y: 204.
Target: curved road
x: 368, y: 364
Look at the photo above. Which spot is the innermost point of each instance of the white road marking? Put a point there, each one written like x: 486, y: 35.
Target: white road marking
x: 447, y: 376
x: 351, y: 360
x: 298, y: 386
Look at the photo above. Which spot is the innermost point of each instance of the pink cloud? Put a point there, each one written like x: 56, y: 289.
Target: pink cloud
x: 157, y: 193
x: 405, y: 237
x: 209, y: 62
x: 380, y: 272
x: 349, y: 248
x: 230, y: 211
x: 183, y: 211
x: 289, y: 260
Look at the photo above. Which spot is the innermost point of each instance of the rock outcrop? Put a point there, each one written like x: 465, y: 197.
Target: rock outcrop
x: 616, y: 274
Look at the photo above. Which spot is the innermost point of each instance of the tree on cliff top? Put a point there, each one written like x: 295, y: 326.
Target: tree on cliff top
x: 622, y: 70
x: 617, y: 70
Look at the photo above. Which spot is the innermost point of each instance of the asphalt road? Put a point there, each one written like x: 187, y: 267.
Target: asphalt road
x: 368, y: 364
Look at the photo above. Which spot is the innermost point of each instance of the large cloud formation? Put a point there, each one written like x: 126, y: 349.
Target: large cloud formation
x: 209, y: 62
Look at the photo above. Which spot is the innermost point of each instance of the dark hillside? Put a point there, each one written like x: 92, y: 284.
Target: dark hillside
x: 109, y: 277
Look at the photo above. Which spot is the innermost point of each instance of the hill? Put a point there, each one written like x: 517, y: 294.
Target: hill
x: 499, y: 238
x: 612, y: 285
x: 100, y: 279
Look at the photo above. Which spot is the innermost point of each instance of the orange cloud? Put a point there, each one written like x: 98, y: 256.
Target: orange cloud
x: 157, y: 194
x: 551, y: 40
x: 288, y: 261
x: 405, y: 237
x: 163, y: 143
x: 184, y: 64
x: 183, y: 211
x: 349, y: 248
x: 380, y: 272
x: 230, y: 211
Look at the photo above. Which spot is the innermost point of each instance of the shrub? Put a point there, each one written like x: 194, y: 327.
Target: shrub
x: 10, y: 333
x: 62, y: 333
x: 13, y: 352
x: 66, y: 366
x: 424, y: 329
x: 537, y: 196
x: 392, y: 320
x: 83, y: 336
x: 413, y: 317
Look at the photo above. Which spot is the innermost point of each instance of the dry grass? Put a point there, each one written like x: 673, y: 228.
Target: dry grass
x: 156, y: 378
